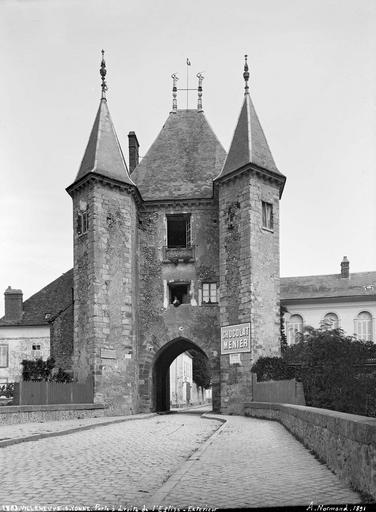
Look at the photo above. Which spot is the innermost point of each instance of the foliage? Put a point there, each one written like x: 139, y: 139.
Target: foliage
x: 330, y: 365
x: 7, y: 390
x: 283, y: 337
x: 39, y: 370
x: 201, y: 370
x: 272, y: 368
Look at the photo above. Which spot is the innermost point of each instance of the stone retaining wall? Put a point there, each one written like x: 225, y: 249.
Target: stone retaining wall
x: 10, y: 415
x: 345, y: 442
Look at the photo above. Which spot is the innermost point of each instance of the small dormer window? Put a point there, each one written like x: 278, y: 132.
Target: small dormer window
x: 82, y: 222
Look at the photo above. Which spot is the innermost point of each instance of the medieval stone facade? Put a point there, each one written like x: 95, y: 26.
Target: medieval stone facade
x: 169, y: 253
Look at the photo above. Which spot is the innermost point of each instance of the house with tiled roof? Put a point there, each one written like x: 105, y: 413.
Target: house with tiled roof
x: 25, y: 329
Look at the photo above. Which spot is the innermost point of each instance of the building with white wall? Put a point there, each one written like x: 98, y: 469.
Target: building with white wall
x: 345, y: 300
x: 25, y: 329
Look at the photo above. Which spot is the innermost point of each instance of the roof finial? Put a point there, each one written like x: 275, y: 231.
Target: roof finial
x: 246, y: 75
x: 103, y: 72
x: 200, y: 77
x: 174, y: 92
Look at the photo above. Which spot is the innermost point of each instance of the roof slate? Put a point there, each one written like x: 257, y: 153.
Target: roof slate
x: 330, y: 286
x: 103, y: 154
x: 52, y: 299
x: 183, y: 160
x: 249, y: 144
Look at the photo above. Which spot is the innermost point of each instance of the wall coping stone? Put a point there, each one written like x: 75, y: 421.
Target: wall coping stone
x: 355, y: 427
x: 14, y: 409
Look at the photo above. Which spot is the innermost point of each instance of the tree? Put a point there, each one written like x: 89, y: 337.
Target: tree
x: 201, y: 370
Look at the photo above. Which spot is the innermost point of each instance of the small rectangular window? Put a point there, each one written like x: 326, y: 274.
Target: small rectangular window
x: 3, y: 356
x: 179, y: 293
x: 178, y: 231
x: 209, y: 293
x: 267, y: 215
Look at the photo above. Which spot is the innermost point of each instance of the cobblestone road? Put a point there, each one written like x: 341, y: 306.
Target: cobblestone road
x: 246, y: 463
x: 120, y: 464
x: 253, y: 463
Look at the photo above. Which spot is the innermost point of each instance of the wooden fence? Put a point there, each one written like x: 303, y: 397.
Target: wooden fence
x: 278, y: 391
x: 45, y: 393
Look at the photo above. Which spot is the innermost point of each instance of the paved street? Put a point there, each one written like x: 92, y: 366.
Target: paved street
x: 244, y: 462
x: 119, y: 464
x: 253, y: 463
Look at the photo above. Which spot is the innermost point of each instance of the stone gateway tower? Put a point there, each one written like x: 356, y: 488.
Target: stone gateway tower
x: 181, y: 253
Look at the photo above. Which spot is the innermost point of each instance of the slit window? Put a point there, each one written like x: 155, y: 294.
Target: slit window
x: 178, y: 231
x: 179, y: 292
x: 267, y: 215
x: 209, y: 293
x: 82, y: 222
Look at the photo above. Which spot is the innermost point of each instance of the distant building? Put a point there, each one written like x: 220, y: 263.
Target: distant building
x: 25, y: 329
x: 346, y: 300
x: 183, y: 390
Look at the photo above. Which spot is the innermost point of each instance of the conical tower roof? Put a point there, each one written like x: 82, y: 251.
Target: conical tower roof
x: 249, y: 145
x: 183, y: 160
x: 103, y: 153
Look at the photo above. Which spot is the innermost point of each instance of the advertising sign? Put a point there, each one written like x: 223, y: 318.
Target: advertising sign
x: 236, y: 338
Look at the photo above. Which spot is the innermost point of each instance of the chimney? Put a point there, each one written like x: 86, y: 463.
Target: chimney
x: 133, y: 146
x: 345, y: 268
x: 13, y: 304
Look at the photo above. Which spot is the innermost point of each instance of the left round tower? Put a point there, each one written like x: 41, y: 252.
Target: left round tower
x: 105, y: 203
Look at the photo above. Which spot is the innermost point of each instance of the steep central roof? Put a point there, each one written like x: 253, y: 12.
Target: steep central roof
x: 183, y: 160
x: 249, y: 144
x: 103, y: 153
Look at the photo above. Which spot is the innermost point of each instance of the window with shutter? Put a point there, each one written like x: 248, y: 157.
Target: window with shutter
x: 3, y: 356
x: 363, y: 326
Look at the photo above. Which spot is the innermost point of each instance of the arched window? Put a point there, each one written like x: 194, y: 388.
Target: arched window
x: 294, y: 325
x: 330, y: 321
x: 363, y: 326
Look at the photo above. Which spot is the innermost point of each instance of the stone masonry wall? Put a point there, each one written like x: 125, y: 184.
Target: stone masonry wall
x: 345, y: 442
x: 105, y: 287
x: 160, y: 322
x: 249, y: 277
x: 61, y: 335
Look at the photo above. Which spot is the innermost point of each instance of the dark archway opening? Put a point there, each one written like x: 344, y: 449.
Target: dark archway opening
x: 161, y: 370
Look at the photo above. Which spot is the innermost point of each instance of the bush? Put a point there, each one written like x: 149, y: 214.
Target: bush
x: 329, y: 364
x: 7, y: 390
x: 272, y: 368
x: 39, y: 370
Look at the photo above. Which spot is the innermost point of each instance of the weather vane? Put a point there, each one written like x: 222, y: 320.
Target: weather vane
x: 246, y: 75
x: 174, y: 92
x: 200, y: 77
x: 175, y: 89
x: 103, y: 72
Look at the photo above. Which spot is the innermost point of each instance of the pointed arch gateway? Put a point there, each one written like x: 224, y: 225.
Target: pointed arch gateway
x: 161, y: 366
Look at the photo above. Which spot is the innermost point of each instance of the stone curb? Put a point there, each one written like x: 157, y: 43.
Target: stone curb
x: 43, y: 435
x: 158, y: 498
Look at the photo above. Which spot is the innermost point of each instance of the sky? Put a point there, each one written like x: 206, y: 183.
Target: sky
x: 313, y: 84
